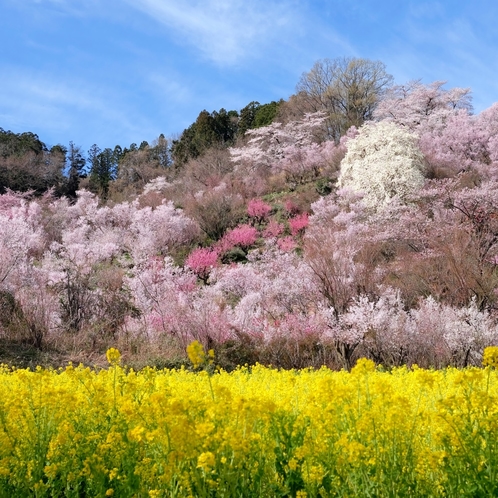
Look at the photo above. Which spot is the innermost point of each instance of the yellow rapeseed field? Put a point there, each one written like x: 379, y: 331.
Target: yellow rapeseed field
x: 256, y: 432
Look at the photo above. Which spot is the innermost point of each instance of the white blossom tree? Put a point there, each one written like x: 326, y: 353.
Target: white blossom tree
x: 384, y: 162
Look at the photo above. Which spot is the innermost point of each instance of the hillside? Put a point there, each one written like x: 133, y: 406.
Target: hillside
x: 293, y: 244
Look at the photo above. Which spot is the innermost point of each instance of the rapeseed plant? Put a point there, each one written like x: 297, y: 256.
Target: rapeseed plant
x: 250, y: 432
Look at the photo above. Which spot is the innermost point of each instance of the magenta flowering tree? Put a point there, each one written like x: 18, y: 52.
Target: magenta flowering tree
x: 258, y: 210
x: 298, y: 224
x: 202, y: 261
x: 273, y: 229
x: 243, y: 236
x: 287, y: 244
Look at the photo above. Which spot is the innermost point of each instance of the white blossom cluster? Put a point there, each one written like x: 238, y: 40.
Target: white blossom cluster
x: 384, y: 162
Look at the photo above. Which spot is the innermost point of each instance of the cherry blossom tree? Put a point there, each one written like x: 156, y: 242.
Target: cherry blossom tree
x: 291, y: 149
x: 417, y: 106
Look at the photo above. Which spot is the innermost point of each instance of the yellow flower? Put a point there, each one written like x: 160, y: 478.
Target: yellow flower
x: 364, y: 366
x: 490, y: 356
x: 113, y: 356
x: 109, y: 492
x: 136, y: 434
x: 113, y: 473
x: 211, y: 356
x: 206, y: 460
x: 196, y: 354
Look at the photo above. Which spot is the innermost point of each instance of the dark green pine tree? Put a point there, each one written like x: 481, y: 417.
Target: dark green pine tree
x: 160, y: 151
x: 247, y: 115
x: 76, y: 166
x: 103, y: 169
x: 210, y: 129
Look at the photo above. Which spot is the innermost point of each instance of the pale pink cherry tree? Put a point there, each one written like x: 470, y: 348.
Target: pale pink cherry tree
x: 334, y: 243
x: 268, y: 143
x: 461, y: 144
x: 281, y: 148
x: 39, y: 305
x: 73, y: 267
x: 21, y: 282
x: 419, y: 107
x: 487, y: 121
x: 431, y: 334
x: 267, y: 288
x: 302, y: 164
x: 338, y: 231
x: 159, y: 230
x: 184, y: 311
x: 82, y: 267
x: 20, y: 239
x: 452, y: 335
x: 450, y: 137
x: 381, y: 327
x: 172, y: 305
x: 445, y: 245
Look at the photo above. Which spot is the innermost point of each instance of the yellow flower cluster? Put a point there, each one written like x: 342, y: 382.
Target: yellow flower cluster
x: 490, y: 356
x: 113, y: 356
x: 197, y: 355
x: 252, y: 432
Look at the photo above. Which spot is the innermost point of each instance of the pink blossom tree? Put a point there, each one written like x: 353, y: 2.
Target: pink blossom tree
x: 298, y: 223
x: 202, y: 261
x: 417, y: 106
x: 258, y: 209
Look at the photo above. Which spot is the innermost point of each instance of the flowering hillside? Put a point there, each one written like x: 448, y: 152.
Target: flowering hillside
x: 289, y: 249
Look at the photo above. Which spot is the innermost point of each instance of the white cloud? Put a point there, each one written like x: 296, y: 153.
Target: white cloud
x: 223, y: 31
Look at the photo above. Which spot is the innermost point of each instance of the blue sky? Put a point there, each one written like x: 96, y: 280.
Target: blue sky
x: 121, y: 71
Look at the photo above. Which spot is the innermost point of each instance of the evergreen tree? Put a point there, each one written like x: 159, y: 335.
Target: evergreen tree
x: 20, y: 143
x: 76, y: 164
x: 210, y: 129
x: 103, y: 169
x: 160, y: 151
